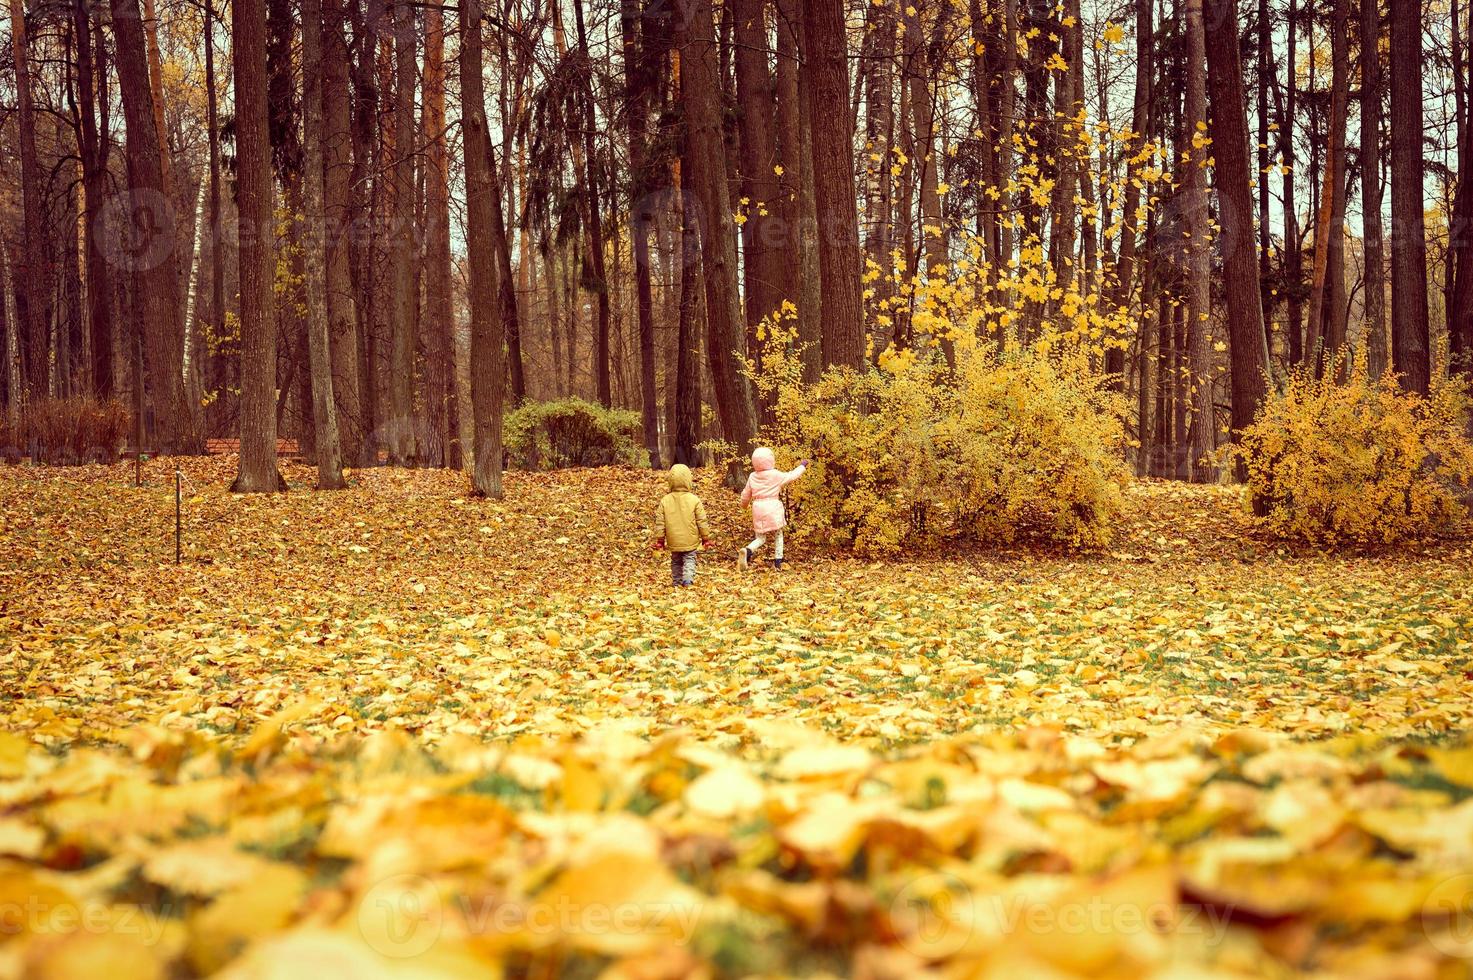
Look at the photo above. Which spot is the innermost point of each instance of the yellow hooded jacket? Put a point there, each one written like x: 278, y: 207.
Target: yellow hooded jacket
x: 681, y: 517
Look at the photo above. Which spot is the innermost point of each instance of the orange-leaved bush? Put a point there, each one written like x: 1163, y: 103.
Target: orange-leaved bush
x: 1358, y: 460
x: 1019, y: 444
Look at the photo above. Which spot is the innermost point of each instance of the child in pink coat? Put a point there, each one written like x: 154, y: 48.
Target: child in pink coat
x: 762, y: 492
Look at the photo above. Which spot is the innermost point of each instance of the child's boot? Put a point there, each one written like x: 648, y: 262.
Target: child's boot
x: 777, y: 564
x: 743, y: 557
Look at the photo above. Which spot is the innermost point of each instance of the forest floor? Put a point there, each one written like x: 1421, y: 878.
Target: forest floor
x: 396, y: 730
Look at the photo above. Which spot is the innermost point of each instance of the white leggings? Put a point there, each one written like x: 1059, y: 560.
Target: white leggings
x: 761, y: 539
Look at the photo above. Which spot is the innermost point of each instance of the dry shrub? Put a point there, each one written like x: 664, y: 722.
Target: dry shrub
x: 67, y: 431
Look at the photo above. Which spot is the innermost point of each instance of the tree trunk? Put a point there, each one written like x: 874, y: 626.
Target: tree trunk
x: 1292, y: 260
x: 687, y: 432
x: 1377, y: 351
x: 640, y: 64
x: 923, y: 76
x: 257, y: 471
x: 152, y: 256
x: 806, y: 289
x: 338, y: 195
x: 488, y: 367
x: 94, y: 152
x: 705, y: 156
x: 34, y: 272
x: 1229, y: 130
x: 505, y: 203
x: 403, y: 447
x: 879, y: 205
x: 1460, y: 237
x: 560, y: 377
x: 825, y: 72
x: 1263, y: 31
x: 314, y: 244
x: 438, y: 328
x: 1062, y: 238
x: 1140, y: 125
x: 1410, y: 342
x: 1327, y: 311
x: 760, y: 184
x: 1202, y: 427
x: 511, y: 327
x: 594, y: 216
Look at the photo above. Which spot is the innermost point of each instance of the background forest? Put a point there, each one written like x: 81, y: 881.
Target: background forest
x: 346, y: 222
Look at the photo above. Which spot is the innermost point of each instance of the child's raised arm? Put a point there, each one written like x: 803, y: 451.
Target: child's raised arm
x: 793, y: 474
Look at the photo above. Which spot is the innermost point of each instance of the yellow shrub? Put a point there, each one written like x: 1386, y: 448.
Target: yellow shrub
x: 1358, y: 461
x: 1022, y: 444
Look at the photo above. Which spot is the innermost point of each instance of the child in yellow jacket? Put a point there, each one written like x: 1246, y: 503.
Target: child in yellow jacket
x: 680, y: 524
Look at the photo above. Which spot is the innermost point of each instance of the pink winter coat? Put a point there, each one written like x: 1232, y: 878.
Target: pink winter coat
x: 762, y: 490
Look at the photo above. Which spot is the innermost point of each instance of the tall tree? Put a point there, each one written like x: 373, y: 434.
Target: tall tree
x: 923, y: 79
x: 825, y: 71
x: 359, y: 215
x: 257, y: 472
x: 690, y: 322
x: 1327, y: 309
x: 1229, y: 131
x: 1140, y: 126
x: 314, y: 243
x: 593, y: 211
x: 35, y: 258
x: 640, y: 65
x: 760, y: 184
x: 488, y: 364
x: 879, y: 184
x: 151, y: 223
x: 94, y: 148
x: 338, y: 197
x: 438, y: 326
x: 1292, y: 262
x: 1460, y: 227
x: 403, y: 297
x: 711, y: 205
x: 1195, y: 462
x: 1374, y: 306
x: 1410, y: 336
x: 794, y: 122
